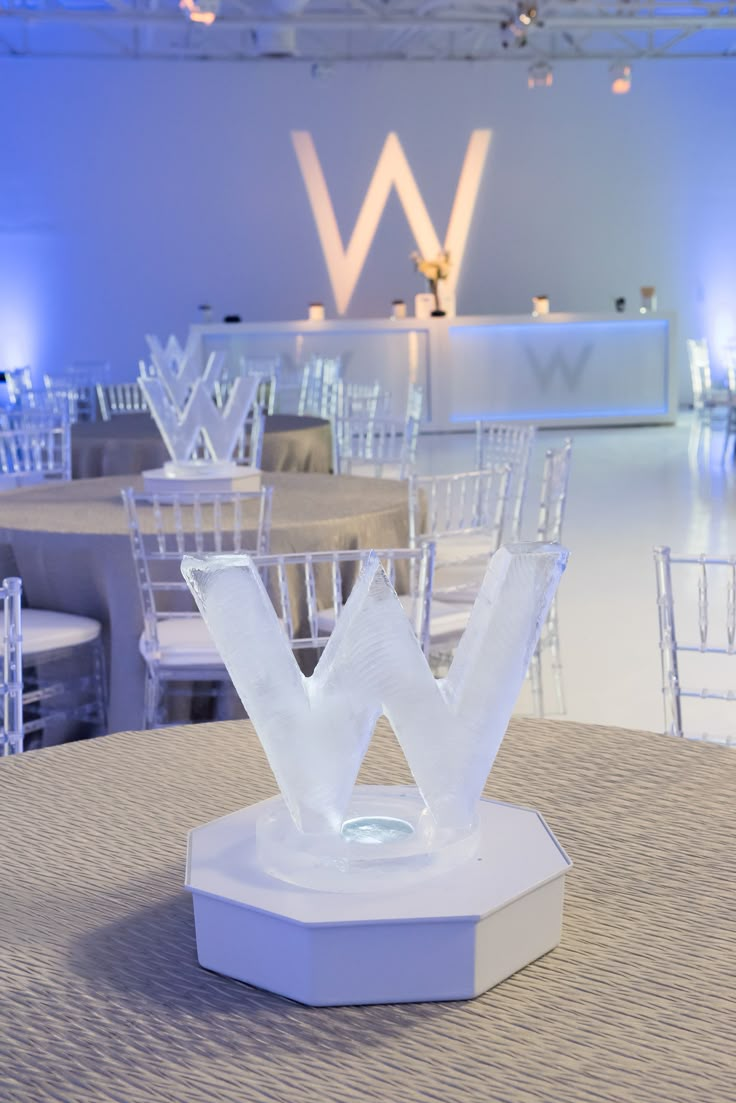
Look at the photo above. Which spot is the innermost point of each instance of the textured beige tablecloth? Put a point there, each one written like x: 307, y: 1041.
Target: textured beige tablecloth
x: 72, y: 550
x: 131, y: 443
x: 101, y: 999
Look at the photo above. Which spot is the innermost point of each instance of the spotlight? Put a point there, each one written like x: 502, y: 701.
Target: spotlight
x: 540, y: 75
x: 620, y: 79
x: 201, y: 11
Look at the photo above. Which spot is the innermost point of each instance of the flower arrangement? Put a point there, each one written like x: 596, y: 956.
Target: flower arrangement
x: 433, y: 271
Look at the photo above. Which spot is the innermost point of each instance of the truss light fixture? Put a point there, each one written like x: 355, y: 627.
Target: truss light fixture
x: 540, y: 75
x: 201, y: 11
x: 620, y: 79
x: 527, y: 14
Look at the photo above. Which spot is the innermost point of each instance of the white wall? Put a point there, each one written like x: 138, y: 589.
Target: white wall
x: 131, y: 192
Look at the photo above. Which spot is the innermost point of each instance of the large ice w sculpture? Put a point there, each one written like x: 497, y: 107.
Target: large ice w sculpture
x: 378, y: 848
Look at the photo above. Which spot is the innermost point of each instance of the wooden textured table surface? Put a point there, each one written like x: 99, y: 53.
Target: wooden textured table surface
x: 101, y: 998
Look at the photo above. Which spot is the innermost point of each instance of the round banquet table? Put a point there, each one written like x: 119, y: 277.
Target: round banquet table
x: 72, y: 550
x: 131, y: 443
x: 104, y: 1001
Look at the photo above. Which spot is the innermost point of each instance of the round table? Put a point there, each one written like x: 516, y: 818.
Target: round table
x: 103, y: 999
x: 72, y: 550
x: 131, y: 443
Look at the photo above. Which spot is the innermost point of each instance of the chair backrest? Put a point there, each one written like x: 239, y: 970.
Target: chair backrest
x: 18, y: 381
x: 319, y: 375
x: 700, y: 373
x: 553, y: 500
x: 696, y: 602
x: 472, y: 503
x: 80, y: 381
x: 269, y: 368
x: 377, y: 447
x: 120, y: 398
x: 249, y: 448
x: 415, y: 401
x: 323, y: 581
x: 164, y: 527
x: 500, y: 442
x: 50, y: 402
x: 11, y: 737
x: 36, y: 446
x: 361, y: 400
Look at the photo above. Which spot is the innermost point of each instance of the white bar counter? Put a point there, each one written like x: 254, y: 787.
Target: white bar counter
x: 557, y: 369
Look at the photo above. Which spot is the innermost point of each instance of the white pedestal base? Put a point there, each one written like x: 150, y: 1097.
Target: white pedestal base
x: 448, y: 937
x: 223, y: 479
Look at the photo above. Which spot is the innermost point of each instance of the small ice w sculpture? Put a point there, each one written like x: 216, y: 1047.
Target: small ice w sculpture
x: 325, y: 832
x: 180, y: 396
x: 180, y: 368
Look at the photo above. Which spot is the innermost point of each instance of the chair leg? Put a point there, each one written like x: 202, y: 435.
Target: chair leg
x: 553, y: 636
x: 152, y: 699
x: 100, y: 685
x: 535, y: 677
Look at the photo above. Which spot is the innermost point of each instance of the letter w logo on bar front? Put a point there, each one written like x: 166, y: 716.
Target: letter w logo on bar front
x: 558, y: 364
x: 392, y: 170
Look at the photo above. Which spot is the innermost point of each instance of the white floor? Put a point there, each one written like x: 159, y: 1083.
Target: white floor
x: 630, y: 489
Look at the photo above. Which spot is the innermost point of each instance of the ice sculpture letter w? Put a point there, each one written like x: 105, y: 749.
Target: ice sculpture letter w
x: 316, y: 730
x: 180, y: 394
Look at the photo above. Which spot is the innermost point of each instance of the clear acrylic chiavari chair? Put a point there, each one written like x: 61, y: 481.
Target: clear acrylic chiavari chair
x: 415, y: 401
x: 56, y: 670
x: 550, y: 519
x: 319, y: 376
x: 714, y: 406
x: 338, y: 399
x: 175, y: 643
x: 249, y: 449
x: 33, y: 449
x: 376, y: 447
x: 499, y: 442
x: 19, y: 381
x: 79, y: 382
x: 706, y: 399
x: 11, y: 737
x: 464, y: 516
x: 64, y: 403
x: 696, y: 605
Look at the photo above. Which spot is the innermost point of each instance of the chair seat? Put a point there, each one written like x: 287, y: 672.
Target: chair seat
x: 368, y: 469
x: 183, y: 641
x: 448, y: 619
x: 46, y: 631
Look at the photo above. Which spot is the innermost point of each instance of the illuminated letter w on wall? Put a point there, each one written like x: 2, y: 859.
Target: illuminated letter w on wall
x: 345, y: 265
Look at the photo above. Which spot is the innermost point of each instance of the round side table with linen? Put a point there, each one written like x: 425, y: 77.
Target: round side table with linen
x: 130, y: 443
x: 72, y: 549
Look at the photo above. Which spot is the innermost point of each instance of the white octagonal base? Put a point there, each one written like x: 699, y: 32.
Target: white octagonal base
x: 449, y: 937
x: 225, y: 479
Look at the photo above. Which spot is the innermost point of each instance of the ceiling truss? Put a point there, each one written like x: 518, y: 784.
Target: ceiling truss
x: 327, y: 31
